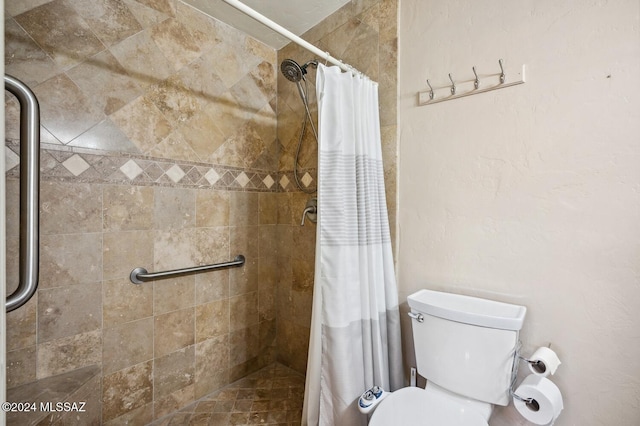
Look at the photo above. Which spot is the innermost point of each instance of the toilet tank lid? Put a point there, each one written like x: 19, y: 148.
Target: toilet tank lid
x: 468, y: 310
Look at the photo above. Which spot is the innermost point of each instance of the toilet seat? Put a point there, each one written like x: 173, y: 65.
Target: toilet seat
x: 413, y: 406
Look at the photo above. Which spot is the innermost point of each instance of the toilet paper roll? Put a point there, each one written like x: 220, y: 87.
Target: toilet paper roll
x: 547, y: 362
x: 547, y: 400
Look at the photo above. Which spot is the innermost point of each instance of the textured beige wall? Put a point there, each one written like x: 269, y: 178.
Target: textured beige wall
x: 530, y: 194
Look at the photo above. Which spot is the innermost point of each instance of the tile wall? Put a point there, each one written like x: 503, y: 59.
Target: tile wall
x: 161, y: 149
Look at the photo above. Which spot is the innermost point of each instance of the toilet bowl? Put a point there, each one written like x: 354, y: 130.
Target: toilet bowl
x: 424, y: 407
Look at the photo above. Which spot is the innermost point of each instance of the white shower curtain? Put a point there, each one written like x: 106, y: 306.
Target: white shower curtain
x: 355, y: 330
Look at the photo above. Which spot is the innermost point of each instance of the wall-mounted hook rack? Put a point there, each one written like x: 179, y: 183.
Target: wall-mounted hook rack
x: 430, y: 96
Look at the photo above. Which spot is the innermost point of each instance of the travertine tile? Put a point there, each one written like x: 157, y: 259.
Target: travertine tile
x: 124, y: 301
x: 69, y: 353
x: 243, y: 311
x: 173, y: 331
x: 244, y: 344
x: 68, y: 112
x: 22, y: 325
x: 127, y: 344
x: 212, y: 286
x: 179, y: 43
x: 167, y: 7
x: 70, y: 208
x: 24, y: 58
x: 212, y: 363
x: 126, y: 250
x: 212, y: 208
x: 174, y: 208
x: 110, y: 20
x: 105, y: 81
x: 173, y: 372
x: 127, y: 208
x: 21, y: 366
x: 142, y: 59
x: 61, y: 32
x: 70, y: 259
x: 172, y: 294
x: 244, y: 208
x: 69, y: 310
x: 212, y: 319
x: 143, y: 123
x: 126, y: 390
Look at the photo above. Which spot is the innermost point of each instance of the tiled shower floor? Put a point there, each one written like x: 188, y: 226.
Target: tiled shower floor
x: 271, y: 396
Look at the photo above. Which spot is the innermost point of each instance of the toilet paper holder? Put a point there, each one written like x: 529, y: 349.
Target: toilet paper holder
x: 536, y: 365
x: 531, y: 403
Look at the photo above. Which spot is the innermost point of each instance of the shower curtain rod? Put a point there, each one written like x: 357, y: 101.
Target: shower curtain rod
x: 291, y: 36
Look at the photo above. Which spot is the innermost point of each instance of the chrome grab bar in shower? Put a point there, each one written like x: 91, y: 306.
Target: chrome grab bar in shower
x: 29, y: 192
x: 140, y: 275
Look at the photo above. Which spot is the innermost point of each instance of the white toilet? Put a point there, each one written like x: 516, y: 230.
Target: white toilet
x: 465, y: 347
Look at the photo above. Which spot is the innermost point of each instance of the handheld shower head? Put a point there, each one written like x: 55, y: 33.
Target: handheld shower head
x: 291, y: 70
x: 294, y: 72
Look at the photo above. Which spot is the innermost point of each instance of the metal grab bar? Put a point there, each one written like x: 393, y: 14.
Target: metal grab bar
x: 29, y: 192
x: 140, y: 275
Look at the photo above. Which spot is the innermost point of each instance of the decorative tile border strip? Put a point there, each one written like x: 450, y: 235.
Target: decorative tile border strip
x: 61, y: 163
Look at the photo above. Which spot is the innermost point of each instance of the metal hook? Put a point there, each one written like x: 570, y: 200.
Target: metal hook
x: 476, y: 83
x: 502, y: 76
x: 453, y: 85
x: 431, y: 94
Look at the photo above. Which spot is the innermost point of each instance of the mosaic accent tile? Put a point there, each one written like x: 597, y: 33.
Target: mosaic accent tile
x: 307, y: 179
x: 212, y: 177
x: 11, y: 159
x: 242, y: 179
x: 131, y: 169
x: 284, y: 181
x: 76, y: 165
x: 73, y: 164
x: 175, y: 173
x: 268, y: 181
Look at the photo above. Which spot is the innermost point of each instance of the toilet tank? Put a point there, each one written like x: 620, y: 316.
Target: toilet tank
x: 466, y: 344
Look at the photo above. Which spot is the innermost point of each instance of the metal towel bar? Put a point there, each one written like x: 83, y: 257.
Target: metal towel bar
x: 140, y: 275
x: 29, y: 192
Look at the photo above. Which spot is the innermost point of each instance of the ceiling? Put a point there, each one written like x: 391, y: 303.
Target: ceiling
x: 297, y: 16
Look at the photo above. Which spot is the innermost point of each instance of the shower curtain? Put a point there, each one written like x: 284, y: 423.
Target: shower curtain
x: 355, y: 325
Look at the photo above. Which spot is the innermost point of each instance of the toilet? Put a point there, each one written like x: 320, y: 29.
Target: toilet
x: 466, y: 348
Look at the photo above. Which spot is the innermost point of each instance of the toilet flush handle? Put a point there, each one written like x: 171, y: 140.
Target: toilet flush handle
x: 417, y: 317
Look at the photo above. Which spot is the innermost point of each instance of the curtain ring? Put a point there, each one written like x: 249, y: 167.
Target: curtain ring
x: 453, y: 85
